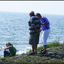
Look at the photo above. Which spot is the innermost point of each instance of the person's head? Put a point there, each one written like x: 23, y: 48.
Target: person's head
x: 31, y: 13
x: 38, y: 15
x: 8, y: 44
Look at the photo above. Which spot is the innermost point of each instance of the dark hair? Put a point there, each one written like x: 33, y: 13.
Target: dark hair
x: 38, y: 14
x: 32, y: 13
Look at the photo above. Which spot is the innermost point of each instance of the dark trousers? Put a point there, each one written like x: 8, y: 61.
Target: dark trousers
x: 6, y: 53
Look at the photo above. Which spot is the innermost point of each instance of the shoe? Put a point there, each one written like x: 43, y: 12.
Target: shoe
x: 31, y: 54
x: 43, y: 52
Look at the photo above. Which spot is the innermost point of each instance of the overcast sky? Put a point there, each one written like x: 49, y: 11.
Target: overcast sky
x: 45, y: 7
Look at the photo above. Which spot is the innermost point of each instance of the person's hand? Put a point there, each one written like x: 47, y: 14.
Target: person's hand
x: 38, y: 31
x: 2, y: 47
x: 42, y: 24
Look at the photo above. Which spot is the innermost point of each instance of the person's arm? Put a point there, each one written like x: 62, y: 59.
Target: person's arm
x: 5, y: 48
x: 35, y: 28
x: 45, y: 21
x: 42, y: 24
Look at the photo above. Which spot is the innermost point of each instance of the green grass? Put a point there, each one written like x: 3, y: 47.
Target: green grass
x: 53, y: 44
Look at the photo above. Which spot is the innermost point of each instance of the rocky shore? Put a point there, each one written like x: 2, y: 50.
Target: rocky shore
x: 54, y: 55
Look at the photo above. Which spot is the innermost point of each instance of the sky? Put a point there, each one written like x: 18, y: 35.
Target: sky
x: 45, y: 7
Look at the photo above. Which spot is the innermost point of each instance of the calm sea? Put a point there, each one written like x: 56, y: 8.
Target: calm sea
x: 14, y: 29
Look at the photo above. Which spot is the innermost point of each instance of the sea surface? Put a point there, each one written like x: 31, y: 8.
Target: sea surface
x: 14, y: 28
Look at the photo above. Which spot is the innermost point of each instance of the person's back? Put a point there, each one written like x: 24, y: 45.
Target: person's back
x: 12, y: 51
x: 34, y: 20
x: 46, y: 25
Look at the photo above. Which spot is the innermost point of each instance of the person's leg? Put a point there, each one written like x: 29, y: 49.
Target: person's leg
x: 44, y: 47
x: 31, y: 41
x: 35, y: 49
x: 6, y: 53
x: 32, y: 48
x: 36, y: 42
x: 32, y: 53
x: 34, y: 39
x: 42, y: 40
x: 45, y: 36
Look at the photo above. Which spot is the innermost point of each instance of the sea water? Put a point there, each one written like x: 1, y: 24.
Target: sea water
x: 14, y: 28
